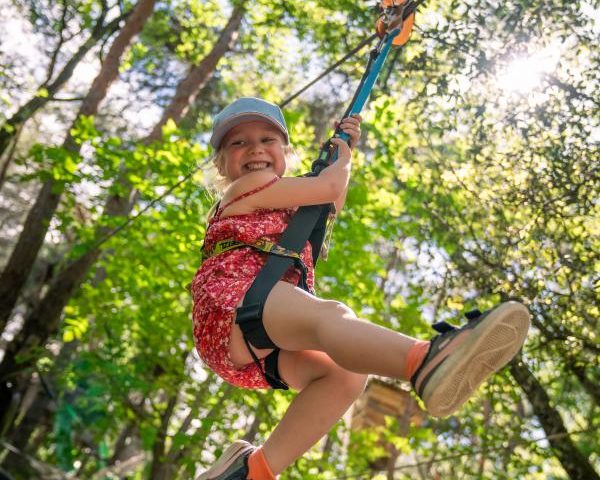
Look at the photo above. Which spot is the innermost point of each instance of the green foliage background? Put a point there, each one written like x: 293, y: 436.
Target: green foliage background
x: 463, y: 195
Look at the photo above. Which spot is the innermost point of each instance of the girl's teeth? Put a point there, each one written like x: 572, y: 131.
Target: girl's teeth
x: 256, y: 166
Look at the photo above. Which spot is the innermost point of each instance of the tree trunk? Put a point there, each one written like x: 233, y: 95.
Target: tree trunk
x: 251, y: 433
x: 160, y: 468
x: 9, y: 156
x: 37, y: 329
x: 36, y: 421
x: 572, y: 460
x: 198, y: 76
x: 591, y: 387
x: 121, y: 443
x: 30, y: 241
x: 44, y: 319
x: 36, y: 225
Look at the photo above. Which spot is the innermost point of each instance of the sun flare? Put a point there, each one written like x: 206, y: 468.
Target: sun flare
x: 524, y: 74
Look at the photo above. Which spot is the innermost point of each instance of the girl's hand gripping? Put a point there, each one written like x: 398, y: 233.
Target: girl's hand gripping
x: 350, y: 126
x: 343, y: 151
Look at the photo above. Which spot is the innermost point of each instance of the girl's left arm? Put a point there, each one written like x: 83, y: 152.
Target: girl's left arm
x: 351, y: 126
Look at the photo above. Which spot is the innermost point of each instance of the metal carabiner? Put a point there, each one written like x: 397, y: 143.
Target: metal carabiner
x: 392, y: 17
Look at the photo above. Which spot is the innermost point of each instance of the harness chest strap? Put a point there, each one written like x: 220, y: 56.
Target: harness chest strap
x: 265, y: 246
x: 262, y: 245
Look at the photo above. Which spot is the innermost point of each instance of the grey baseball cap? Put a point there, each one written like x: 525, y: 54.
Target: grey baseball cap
x: 246, y: 109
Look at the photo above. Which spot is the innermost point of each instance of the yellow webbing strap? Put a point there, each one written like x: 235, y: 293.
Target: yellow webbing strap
x: 261, y: 244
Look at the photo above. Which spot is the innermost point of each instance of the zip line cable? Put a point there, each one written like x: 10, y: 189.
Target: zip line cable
x: 329, y: 69
x: 408, y: 11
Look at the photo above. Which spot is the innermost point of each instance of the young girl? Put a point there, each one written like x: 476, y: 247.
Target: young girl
x: 326, y: 352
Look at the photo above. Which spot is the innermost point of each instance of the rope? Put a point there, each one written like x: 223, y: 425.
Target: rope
x: 329, y: 69
x: 132, y: 219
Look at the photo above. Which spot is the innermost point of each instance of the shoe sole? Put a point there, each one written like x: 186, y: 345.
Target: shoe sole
x: 230, y: 455
x: 498, y: 338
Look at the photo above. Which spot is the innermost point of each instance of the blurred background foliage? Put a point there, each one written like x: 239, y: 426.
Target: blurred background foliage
x: 476, y: 181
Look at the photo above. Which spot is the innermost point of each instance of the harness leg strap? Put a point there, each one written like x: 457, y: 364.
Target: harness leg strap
x: 249, y: 318
x: 272, y: 370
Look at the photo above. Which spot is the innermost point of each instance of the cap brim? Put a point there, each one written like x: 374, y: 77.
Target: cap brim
x: 221, y: 130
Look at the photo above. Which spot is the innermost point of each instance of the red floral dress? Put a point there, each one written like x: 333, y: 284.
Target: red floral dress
x: 222, y: 281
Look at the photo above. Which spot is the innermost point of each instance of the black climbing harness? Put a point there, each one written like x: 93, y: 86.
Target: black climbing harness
x: 310, y: 222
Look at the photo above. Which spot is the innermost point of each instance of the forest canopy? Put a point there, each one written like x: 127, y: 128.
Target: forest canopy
x: 476, y: 180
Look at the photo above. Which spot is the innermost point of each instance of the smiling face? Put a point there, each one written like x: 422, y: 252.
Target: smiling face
x: 252, y: 146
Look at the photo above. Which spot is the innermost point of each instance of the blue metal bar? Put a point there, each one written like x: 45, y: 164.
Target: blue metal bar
x: 367, y: 86
x: 365, y: 91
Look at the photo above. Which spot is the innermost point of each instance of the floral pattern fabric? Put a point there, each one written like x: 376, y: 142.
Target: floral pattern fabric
x: 222, y: 281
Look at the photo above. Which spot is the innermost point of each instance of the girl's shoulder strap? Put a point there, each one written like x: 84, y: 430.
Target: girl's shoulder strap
x: 244, y: 195
x: 213, y: 210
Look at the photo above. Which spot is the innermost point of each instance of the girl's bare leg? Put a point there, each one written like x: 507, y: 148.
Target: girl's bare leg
x: 304, y: 326
x: 326, y: 393
x: 296, y: 320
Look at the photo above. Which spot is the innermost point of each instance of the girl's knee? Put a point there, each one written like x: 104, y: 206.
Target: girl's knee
x: 351, y: 384
x: 348, y: 385
x: 356, y: 384
x: 300, y: 369
x: 339, y: 309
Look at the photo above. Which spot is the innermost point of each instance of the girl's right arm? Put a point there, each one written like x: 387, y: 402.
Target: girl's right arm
x: 291, y: 192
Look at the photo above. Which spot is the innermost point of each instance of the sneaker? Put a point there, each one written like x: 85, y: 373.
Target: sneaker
x: 460, y: 359
x: 232, y: 465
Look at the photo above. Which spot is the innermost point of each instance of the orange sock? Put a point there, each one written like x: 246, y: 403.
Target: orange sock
x: 415, y: 357
x: 258, y: 468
